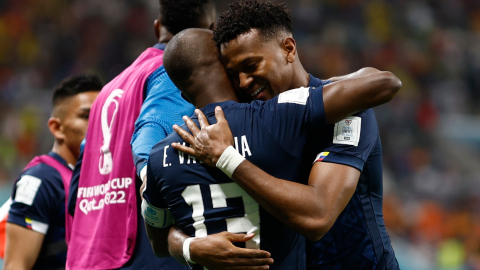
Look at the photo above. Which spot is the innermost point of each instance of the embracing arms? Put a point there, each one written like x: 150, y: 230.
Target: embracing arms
x: 309, y: 209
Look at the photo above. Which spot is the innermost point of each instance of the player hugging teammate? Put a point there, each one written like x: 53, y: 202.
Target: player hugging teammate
x: 290, y: 180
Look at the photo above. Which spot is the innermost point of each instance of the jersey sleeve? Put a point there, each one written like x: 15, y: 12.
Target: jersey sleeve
x: 154, y: 209
x: 151, y: 192
x: 353, y: 140
x: 293, y: 115
x: 163, y: 106
x: 35, y: 199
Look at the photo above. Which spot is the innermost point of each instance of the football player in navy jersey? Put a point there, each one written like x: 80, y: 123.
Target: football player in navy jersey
x: 35, y: 233
x: 273, y: 134
x: 340, y: 208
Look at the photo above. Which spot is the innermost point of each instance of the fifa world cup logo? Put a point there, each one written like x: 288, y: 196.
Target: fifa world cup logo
x: 105, y: 164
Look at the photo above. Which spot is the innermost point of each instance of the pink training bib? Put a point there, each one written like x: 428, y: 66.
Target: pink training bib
x: 105, y: 224
x: 66, y: 175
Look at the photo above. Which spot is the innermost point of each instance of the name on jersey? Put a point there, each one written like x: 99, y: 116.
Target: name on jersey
x: 244, y: 149
x: 112, y: 192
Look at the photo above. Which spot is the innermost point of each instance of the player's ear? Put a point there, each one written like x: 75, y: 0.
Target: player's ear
x: 55, y: 127
x: 290, y: 48
x: 156, y: 28
x: 212, y: 26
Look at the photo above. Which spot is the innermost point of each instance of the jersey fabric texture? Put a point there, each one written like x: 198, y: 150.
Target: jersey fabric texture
x: 358, y: 239
x: 203, y: 200
x: 163, y: 107
x: 39, y: 204
x: 105, y: 179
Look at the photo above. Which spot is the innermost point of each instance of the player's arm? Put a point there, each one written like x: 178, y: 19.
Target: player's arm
x: 309, y: 209
x: 33, y: 200
x: 213, y: 251
x: 22, y: 247
x: 361, y: 72
x: 216, y: 251
x: 358, y: 91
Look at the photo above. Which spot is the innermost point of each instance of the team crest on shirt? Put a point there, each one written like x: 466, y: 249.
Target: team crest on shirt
x: 347, y: 131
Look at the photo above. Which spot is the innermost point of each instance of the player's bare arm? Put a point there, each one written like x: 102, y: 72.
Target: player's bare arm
x: 214, y: 251
x: 361, y: 72
x: 359, y: 91
x: 22, y: 247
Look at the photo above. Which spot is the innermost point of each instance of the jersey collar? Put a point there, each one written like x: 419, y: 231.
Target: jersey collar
x: 160, y: 46
x: 315, y: 82
x: 59, y: 159
x: 211, y: 107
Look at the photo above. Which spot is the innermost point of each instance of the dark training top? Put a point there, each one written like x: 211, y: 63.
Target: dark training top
x: 203, y: 200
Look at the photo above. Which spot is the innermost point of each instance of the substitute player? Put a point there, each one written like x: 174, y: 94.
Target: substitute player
x: 107, y: 230
x: 36, y: 221
x: 342, y: 203
x: 202, y: 200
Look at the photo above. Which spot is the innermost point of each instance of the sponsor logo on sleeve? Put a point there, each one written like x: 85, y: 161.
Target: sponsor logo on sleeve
x: 27, y: 188
x: 347, y: 131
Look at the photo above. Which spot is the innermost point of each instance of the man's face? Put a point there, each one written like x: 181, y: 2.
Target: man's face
x: 259, y: 69
x: 74, y: 119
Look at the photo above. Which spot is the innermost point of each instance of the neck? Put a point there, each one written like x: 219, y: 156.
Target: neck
x: 214, y: 94
x: 301, y: 78
x: 165, y: 36
x: 63, y: 151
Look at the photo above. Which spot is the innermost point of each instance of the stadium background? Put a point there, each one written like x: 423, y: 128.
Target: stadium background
x: 430, y: 131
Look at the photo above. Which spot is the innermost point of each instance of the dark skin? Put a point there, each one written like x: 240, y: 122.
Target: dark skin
x: 309, y: 209
x: 214, y: 251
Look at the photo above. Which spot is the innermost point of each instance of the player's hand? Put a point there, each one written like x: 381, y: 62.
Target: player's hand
x: 142, y: 187
x: 207, y: 143
x: 216, y: 251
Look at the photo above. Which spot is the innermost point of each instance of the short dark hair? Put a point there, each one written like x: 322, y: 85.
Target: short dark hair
x: 177, y: 15
x: 269, y: 17
x: 75, y: 85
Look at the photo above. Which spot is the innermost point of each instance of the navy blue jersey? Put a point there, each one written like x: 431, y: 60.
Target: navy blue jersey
x: 358, y: 239
x: 203, y: 200
x: 38, y: 203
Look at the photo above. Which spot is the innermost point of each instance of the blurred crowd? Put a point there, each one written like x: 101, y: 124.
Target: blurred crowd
x: 429, y: 131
